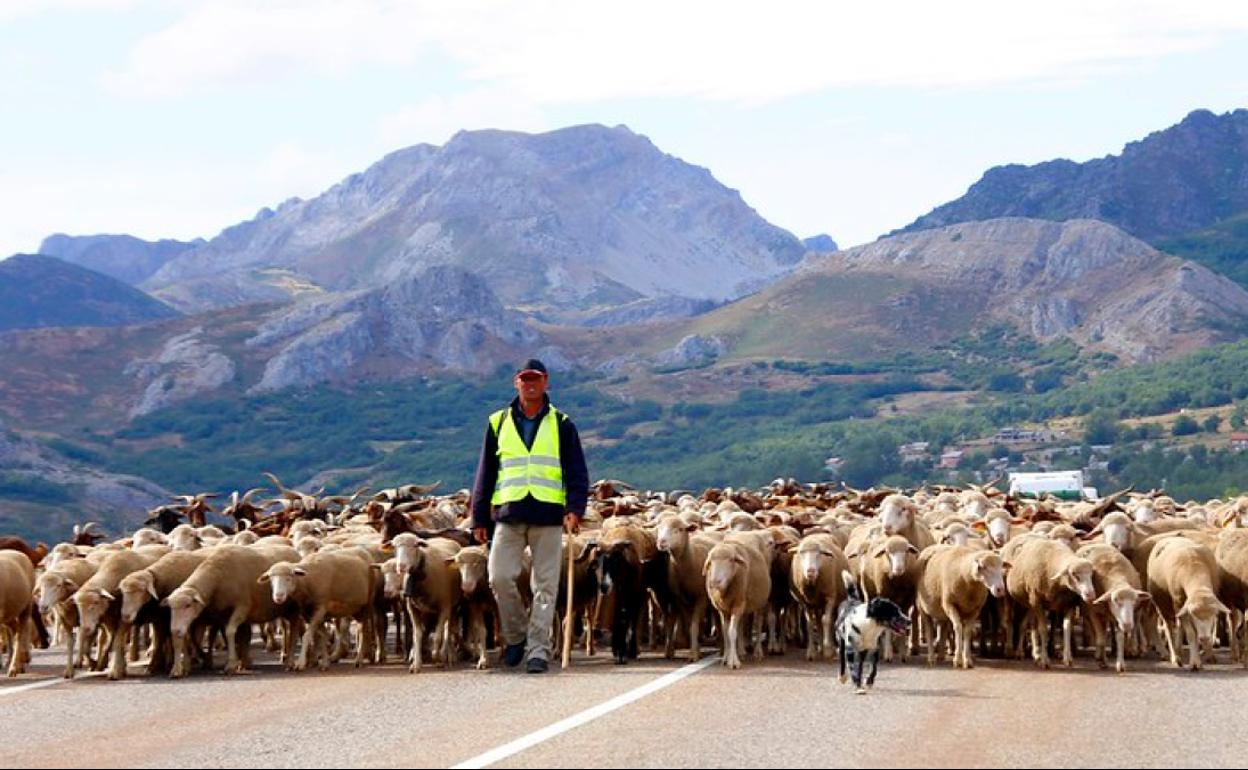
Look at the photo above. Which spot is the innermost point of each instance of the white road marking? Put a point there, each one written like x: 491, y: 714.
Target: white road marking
x: 576, y: 720
x: 45, y: 683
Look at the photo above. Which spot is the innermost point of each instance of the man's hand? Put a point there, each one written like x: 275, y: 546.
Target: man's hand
x: 571, y: 523
x: 481, y: 534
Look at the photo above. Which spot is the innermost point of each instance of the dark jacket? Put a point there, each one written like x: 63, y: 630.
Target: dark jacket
x: 530, y: 510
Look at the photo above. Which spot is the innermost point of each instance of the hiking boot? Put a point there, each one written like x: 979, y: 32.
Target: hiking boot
x: 513, y: 654
x: 537, y: 666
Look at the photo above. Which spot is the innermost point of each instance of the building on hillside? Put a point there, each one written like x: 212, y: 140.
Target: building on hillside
x: 1239, y: 442
x: 950, y: 459
x: 914, y: 452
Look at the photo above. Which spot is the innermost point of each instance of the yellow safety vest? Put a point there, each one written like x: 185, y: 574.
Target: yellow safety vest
x: 523, y: 471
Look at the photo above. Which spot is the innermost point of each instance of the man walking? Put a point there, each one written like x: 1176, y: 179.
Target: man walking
x: 530, y: 479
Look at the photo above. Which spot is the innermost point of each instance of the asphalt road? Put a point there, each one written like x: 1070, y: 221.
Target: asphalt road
x: 783, y: 712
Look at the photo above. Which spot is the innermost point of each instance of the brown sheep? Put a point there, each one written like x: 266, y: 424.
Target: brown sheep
x: 738, y: 582
x: 954, y: 585
x: 815, y: 581
x: 225, y: 590
x: 325, y: 586
x: 1047, y: 577
x: 17, y: 586
x: 1118, y: 590
x: 1183, y: 581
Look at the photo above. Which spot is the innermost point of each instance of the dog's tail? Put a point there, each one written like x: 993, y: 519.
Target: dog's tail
x: 851, y: 585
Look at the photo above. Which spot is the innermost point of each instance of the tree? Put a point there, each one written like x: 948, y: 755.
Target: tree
x: 1184, y: 426
x: 1101, y: 427
x: 1211, y: 423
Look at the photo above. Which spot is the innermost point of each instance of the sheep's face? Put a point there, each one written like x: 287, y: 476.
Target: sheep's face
x: 990, y: 570
x: 409, y: 552
x: 185, y: 540
x: 92, y: 604
x: 957, y: 535
x: 1202, y: 612
x: 51, y: 589
x: 185, y: 605
x: 895, y: 515
x: 136, y: 591
x: 145, y: 537
x: 1078, y: 578
x: 1144, y: 512
x: 999, y: 530
x: 722, y: 569
x: 1117, y: 533
x: 1121, y: 603
x: 283, y: 580
x: 1064, y: 535
x: 896, y: 550
x: 392, y: 579
x: 473, y: 572
x: 976, y: 506
x: 672, y: 535
x: 810, y: 561
x: 306, y: 546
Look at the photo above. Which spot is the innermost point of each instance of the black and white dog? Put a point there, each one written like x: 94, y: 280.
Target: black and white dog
x: 860, y: 627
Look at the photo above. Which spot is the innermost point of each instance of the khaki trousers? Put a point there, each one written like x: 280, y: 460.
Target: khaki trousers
x: 506, y: 552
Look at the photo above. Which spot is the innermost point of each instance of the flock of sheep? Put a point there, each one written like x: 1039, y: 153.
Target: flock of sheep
x: 749, y: 571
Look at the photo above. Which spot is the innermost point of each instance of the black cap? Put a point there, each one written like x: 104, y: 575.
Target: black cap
x: 532, y: 365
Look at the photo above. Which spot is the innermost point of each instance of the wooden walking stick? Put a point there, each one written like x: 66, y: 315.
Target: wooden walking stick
x: 567, y: 618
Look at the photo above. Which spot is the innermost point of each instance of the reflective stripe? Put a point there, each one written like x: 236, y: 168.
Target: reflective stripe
x: 534, y: 470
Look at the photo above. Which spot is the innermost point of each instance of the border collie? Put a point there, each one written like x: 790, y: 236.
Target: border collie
x: 860, y: 627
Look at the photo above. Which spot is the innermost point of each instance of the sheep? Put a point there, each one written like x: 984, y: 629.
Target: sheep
x: 17, y: 585
x: 99, y: 602
x: 141, y: 594
x: 474, y: 582
x: 738, y: 582
x: 1232, y: 557
x: 1183, y: 581
x: 14, y: 543
x: 889, y: 568
x: 432, y: 590
x: 56, y: 588
x: 184, y: 537
x: 1118, y: 589
x: 224, y: 590
x: 815, y: 581
x: 623, y: 549
x: 1000, y: 527
x: 898, y: 515
x: 1119, y: 531
x: 953, y: 587
x: 145, y: 537
x: 1047, y: 577
x: 338, y: 584
x: 687, y: 550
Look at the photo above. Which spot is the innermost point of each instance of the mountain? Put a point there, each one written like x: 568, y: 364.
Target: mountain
x: 442, y: 320
x: 1183, y: 178
x: 821, y: 243
x: 1082, y: 279
x: 566, y: 224
x: 41, y: 291
x: 44, y: 493
x: 123, y: 257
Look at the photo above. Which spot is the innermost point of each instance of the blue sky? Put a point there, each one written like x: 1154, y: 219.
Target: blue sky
x: 178, y: 118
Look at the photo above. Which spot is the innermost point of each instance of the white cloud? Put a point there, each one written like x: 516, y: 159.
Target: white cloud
x: 436, y: 119
x: 16, y: 9
x: 572, y: 50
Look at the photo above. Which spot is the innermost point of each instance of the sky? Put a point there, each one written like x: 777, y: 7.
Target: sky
x: 176, y: 119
